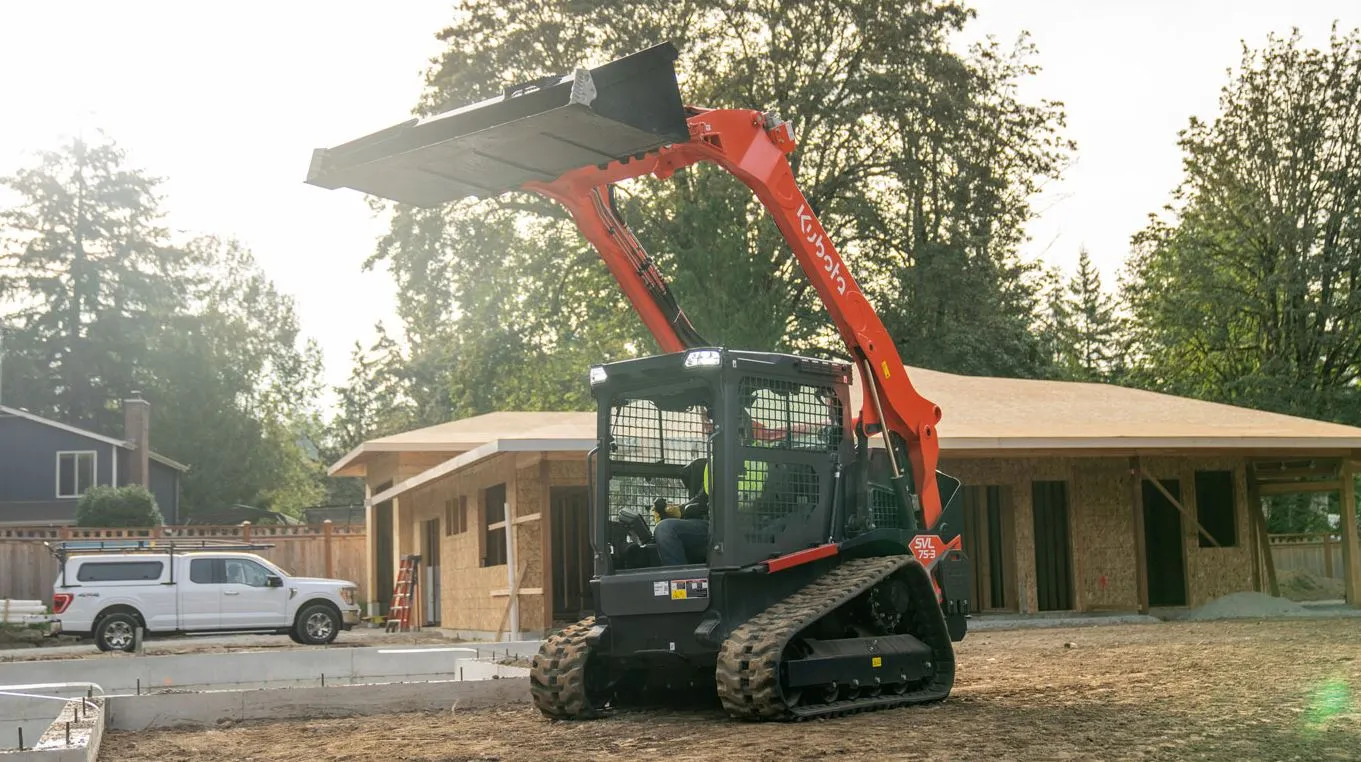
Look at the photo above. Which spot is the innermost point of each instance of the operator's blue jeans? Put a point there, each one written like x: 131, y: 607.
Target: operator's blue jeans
x: 678, y: 538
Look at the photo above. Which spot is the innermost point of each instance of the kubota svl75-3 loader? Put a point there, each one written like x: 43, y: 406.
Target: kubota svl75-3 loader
x: 820, y: 569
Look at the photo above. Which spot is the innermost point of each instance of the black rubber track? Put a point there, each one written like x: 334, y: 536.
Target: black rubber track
x: 557, y: 676
x: 748, y: 670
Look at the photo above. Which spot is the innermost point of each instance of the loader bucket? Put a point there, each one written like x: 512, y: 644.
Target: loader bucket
x: 534, y: 131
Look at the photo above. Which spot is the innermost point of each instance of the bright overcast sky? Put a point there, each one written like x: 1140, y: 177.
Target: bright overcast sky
x: 227, y: 101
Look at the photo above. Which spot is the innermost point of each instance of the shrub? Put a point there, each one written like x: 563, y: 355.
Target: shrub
x: 129, y: 506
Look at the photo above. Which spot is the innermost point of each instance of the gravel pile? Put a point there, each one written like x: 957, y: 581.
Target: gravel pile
x: 1303, y: 585
x: 1245, y: 606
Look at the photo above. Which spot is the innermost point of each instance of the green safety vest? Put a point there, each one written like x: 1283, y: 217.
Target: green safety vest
x: 753, y: 478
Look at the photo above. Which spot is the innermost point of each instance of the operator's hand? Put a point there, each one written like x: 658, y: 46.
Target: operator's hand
x: 660, y: 510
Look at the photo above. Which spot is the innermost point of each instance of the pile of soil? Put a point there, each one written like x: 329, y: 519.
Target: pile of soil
x: 1304, y: 585
x: 1245, y: 606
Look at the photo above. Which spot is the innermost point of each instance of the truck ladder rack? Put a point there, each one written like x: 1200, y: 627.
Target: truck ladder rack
x: 167, y: 546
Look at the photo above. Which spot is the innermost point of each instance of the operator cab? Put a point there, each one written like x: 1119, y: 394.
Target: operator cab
x: 747, y: 448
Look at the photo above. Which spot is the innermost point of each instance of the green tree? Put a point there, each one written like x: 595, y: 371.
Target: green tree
x: 91, y: 275
x: 1248, y: 289
x: 102, y: 302
x: 1087, y: 332
x: 129, y: 506
x: 234, y: 387
x: 919, y: 161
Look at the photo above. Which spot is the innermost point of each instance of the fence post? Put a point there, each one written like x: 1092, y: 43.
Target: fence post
x: 326, y: 546
x: 1328, y: 555
x: 245, y: 532
x: 65, y: 533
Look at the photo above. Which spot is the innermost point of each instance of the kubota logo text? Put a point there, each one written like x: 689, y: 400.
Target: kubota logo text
x: 819, y: 241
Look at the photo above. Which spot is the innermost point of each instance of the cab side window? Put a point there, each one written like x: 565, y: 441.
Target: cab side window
x: 244, y: 572
x: 206, y: 571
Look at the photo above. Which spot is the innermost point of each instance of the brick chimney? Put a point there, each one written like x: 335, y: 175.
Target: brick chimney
x: 137, y: 430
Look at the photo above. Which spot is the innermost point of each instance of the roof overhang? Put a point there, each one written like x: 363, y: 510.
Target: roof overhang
x: 175, y: 464
x: 959, y: 447
x: 353, y: 462
x: 1019, y: 446
x: 488, y: 450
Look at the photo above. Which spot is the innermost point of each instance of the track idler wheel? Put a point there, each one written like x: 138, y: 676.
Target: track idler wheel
x: 565, y: 680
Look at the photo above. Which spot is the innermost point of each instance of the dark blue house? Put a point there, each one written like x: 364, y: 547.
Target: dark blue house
x: 45, y: 465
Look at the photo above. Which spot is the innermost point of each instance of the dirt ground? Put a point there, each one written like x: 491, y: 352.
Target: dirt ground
x: 1282, y: 690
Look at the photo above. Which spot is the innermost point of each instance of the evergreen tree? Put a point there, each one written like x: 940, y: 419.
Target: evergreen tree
x: 91, y: 275
x: 101, y: 302
x: 1092, y: 342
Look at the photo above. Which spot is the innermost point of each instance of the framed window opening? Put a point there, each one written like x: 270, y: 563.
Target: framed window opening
x: 494, y: 526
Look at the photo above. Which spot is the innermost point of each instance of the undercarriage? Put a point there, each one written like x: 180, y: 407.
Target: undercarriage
x: 865, y: 635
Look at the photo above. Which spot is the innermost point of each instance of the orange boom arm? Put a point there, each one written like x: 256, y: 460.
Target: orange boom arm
x: 753, y: 147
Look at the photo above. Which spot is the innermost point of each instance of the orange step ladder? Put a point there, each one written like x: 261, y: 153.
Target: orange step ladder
x: 403, y: 595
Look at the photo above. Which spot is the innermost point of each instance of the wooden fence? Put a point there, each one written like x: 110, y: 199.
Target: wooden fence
x: 28, y: 570
x: 1318, y: 552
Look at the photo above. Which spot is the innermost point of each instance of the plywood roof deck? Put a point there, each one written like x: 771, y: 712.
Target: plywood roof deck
x: 982, y: 416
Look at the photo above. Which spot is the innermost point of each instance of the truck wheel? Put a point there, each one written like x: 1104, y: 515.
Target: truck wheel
x: 116, y: 632
x: 317, y: 624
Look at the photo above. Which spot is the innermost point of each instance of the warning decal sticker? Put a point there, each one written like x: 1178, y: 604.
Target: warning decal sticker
x: 661, y: 589
x: 685, y: 589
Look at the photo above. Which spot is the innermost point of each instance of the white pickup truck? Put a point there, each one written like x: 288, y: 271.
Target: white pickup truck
x: 108, y: 595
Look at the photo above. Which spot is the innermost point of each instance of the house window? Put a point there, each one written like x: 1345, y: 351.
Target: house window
x: 494, y: 526
x: 456, y: 515
x: 1215, y: 507
x: 75, y: 473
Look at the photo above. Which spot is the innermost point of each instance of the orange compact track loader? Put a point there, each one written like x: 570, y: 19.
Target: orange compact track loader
x: 751, y: 533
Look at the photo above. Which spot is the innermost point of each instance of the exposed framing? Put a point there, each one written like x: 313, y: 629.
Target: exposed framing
x: 1177, y: 504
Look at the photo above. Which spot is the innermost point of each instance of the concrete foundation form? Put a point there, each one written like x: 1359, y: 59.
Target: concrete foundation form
x: 322, y: 667
x: 198, y: 709
x: 74, y: 736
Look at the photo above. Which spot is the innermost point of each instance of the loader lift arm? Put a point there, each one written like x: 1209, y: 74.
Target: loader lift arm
x: 571, y: 138
x: 753, y: 147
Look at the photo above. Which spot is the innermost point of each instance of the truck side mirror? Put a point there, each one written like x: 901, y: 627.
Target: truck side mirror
x: 274, y: 580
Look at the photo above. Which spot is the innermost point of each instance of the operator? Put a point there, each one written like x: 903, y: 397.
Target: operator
x: 682, y: 532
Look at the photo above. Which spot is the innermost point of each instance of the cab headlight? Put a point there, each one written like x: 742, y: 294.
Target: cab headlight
x: 598, y: 376
x: 704, y: 358
x: 347, y: 595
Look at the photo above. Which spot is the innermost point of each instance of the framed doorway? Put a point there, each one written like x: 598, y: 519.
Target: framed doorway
x: 571, y: 552
x: 382, y: 551
x: 430, y: 536
x: 1053, y: 552
x: 1163, y: 550
x: 990, y: 543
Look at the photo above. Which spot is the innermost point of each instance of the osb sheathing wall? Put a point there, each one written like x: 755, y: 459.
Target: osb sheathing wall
x: 1101, y: 526
x: 466, y: 586
x: 474, y: 597
x: 381, y: 472
x: 1018, y: 474
x: 1211, y: 572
